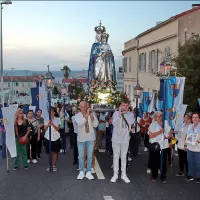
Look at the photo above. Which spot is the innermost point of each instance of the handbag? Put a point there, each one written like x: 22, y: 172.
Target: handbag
x: 154, y: 147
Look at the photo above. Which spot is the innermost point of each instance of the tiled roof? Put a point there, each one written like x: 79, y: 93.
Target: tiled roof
x: 22, y: 78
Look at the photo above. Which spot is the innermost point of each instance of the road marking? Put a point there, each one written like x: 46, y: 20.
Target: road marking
x: 108, y: 198
x: 98, y: 170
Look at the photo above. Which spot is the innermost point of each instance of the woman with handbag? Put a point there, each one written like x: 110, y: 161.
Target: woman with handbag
x: 158, y: 147
x: 22, y: 131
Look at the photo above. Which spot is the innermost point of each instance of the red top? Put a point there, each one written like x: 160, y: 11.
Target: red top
x: 147, y: 123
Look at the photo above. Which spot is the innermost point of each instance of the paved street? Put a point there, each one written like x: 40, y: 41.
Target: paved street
x: 37, y: 184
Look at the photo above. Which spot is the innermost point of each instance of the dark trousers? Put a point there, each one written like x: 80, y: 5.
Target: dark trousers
x: 75, y: 148
x: 154, y: 163
x: 71, y: 137
x: 183, y: 163
x: 109, y: 138
x: 136, y: 138
x: 33, y: 144
x: 145, y: 137
x: 163, y: 168
x: 63, y: 136
x: 39, y: 146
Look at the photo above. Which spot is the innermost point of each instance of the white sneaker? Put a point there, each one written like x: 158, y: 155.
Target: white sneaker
x: 34, y: 161
x: 145, y: 149
x: 89, y: 176
x: 114, y: 179
x: 93, y: 171
x: 129, y: 159
x: 81, y: 175
x: 28, y: 161
x: 125, y: 179
x: 148, y: 171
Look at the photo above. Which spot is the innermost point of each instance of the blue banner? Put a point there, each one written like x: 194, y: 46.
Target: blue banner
x: 146, y: 101
x: 140, y: 113
x: 35, y: 97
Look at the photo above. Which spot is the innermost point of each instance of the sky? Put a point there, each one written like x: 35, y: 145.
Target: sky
x: 57, y: 33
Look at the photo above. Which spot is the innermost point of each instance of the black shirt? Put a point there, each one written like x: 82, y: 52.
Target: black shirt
x: 70, y: 124
x: 22, y: 129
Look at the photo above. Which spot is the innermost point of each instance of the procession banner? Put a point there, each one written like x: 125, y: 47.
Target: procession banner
x: 146, y: 101
x: 151, y: 105
x: 14, y: 106
x: 8, y: 119
x: 140, y: 110
x: 178, y: 120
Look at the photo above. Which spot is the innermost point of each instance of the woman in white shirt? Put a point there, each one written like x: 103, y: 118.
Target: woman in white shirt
x: 182, y: 153
x: 55, y: 136
x: 158, y: 137
x: 193, y: 149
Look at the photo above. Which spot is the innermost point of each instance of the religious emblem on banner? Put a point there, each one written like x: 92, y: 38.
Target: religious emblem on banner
x: 171, y: 113
x: 148, y: 100
x: 38, y: 97
x: 174, y: 89
x: 4, y: 121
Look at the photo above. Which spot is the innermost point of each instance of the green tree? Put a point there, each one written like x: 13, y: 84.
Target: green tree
x: 75, y: 89
x: 55, y: 91
x: 188, y: 63
x: 66, y: 70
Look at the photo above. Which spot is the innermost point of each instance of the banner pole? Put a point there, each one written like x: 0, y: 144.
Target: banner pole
x: 7, y: 164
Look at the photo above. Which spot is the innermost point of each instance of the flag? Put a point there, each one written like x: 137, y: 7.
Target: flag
x: 39, y: 100
x: 14, y: 106
x: 151, y: 105
x: 178, y: 120
x: 160, y: 105
x: 140, y: 110
x: 8, y: 118
x: 147, y: 99
x: 174, y: 90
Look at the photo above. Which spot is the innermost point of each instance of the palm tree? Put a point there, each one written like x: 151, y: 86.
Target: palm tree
x: 66, y: 70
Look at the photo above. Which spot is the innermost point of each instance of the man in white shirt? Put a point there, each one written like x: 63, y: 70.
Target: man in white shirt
x: 86, y: 122
x: 122, y: 121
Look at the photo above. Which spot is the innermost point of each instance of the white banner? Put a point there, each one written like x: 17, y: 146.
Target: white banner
x: 32, y: 108
x: 178, y: 100
x: 14, y: 106
x: 43, y: 102
x: 178, y: 120
x: 9, y: 116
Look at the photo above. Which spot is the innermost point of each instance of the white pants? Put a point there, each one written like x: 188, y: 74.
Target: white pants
x: 119, y: 150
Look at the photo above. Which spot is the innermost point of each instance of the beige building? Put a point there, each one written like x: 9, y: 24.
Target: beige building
x: 155, y: 45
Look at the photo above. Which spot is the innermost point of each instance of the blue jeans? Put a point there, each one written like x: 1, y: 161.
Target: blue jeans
x: 193, y: 163
x: 81, y: 146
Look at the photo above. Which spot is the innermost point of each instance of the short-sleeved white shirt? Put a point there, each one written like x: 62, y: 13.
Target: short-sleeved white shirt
x: 55, y: 135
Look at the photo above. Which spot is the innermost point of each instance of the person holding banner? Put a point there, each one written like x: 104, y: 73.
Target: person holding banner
x: 55, y: 136
x: 193, y: 149
x: 22, y: 130
x: 182, y: 153
x: 158, y: 145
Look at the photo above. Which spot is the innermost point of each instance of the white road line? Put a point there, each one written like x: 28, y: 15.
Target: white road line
x: 98, y: 170
x: 108, y: 198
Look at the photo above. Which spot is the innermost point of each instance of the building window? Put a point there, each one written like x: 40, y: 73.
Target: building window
x: 129, y: 91
x: 22, y: 84
x: 142, y: 62
x: 125, y: 88
x: 29, y: 84
x: 8, y: 84
x: 17, y: 92
x: 153, y: 60
x: 16, y: 84
x: 125, y: 64
x: 129, y: 62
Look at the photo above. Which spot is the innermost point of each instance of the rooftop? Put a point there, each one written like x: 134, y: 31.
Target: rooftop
x: 23, y: 78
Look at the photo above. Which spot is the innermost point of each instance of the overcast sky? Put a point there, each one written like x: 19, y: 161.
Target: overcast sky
x: 36, y: 33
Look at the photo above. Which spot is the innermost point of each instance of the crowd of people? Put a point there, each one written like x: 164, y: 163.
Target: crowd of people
x: 118, y: 132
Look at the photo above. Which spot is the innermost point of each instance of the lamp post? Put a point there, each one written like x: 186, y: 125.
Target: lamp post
x: 137, y: 94
x: 164, y: 75
x: 49, y: 85
x: 11, y: 83
x: 6, y: 2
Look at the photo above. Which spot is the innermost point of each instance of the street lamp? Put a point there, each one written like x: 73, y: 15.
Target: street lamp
x: 137, y: 93
x: 11, y: 83
x: 49, y: 85
x: 6, y: 2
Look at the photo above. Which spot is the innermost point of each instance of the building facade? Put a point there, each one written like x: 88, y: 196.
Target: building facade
x: 157, y: 44
x: 120, y: 80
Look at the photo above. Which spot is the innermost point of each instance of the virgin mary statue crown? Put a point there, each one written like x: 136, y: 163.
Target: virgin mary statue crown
x: 100, y: 29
